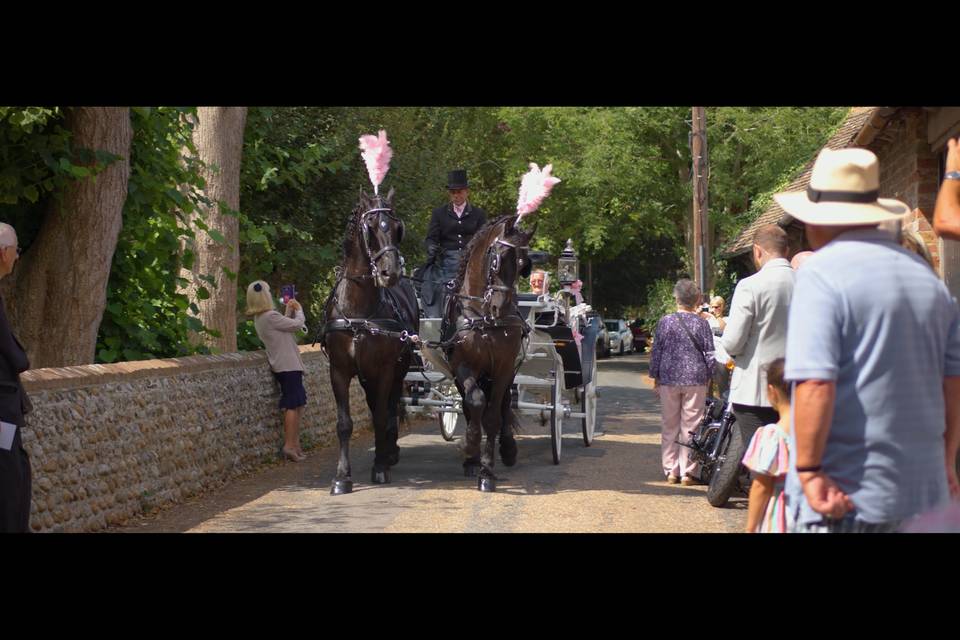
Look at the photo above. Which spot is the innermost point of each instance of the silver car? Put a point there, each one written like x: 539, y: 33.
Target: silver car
x: 621, y: 337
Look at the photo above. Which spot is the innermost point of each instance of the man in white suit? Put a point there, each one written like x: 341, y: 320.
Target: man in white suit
x: 756, y: 333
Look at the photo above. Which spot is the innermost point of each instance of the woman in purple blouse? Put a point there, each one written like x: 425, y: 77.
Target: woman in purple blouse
x: 681, y: 364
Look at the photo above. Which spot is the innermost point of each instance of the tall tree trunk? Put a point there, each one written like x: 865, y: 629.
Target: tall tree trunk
x: 218, y: 136
x: 61, y: 282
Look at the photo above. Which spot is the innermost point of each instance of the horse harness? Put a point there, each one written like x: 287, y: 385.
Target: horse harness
x: 389, y: 327
x: 484, y: 322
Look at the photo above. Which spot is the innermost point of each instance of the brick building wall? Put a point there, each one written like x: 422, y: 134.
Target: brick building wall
x: 909, y: 171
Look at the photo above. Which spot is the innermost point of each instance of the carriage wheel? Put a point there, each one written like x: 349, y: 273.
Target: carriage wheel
x: 588, y: 404
x: 449, y: 422
x: 556, y: 414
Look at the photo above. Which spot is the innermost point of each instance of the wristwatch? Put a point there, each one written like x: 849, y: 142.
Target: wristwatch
x: 952, y: 175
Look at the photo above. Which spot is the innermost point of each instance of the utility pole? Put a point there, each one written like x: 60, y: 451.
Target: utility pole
x: 701, y: 175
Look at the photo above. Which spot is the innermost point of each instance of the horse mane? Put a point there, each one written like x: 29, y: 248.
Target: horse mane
x: 350, y: 233
x: 481, y: 237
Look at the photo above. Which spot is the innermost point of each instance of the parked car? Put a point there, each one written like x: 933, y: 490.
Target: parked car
x: 603, y: 340
x: 621, y: 338
x: 640, y: 336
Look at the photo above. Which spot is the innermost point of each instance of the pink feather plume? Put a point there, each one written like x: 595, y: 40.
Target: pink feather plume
x: 534, y: 187
x: 376, y: 152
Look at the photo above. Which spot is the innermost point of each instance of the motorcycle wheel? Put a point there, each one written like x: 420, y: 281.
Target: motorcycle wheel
x: 725, y: 475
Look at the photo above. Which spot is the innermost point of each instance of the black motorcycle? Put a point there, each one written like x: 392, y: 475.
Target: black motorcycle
x: 718, y: 448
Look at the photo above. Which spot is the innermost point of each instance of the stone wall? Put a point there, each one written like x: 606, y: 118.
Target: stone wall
x: 108, y: 442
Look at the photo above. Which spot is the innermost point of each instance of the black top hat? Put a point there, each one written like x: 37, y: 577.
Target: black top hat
x: 457, y: 179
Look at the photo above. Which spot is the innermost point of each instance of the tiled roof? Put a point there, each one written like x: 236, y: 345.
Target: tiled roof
x: 844, y: 136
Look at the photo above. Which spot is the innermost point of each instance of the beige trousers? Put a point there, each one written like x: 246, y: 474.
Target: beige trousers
x: 682, y: 409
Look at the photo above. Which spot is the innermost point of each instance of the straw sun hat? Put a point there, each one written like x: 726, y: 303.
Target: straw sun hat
x: 843, y: 190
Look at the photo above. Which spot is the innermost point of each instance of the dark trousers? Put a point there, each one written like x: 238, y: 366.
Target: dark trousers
x: 15, y: 488
x: 752, y: 418
x: 444, y: 269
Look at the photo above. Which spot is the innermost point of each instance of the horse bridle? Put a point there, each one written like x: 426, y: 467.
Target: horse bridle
x: 493, y: 270
x: 373, y: 257
x: 484, y: 322
x: 369, y: 325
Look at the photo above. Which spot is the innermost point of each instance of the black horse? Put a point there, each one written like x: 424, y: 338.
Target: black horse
x: 484, y: 334
x: 369, y: 316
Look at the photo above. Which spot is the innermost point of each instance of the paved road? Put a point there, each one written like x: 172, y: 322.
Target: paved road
x: 613, y: 486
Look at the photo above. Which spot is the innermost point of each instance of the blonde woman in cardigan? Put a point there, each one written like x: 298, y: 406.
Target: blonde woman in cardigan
x: 276, y: 331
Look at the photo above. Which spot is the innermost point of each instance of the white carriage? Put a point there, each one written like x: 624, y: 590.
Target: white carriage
x: 556, y: 380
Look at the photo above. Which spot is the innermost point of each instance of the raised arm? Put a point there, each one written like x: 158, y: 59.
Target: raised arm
x: 283, y: 323
x: 946, y: 215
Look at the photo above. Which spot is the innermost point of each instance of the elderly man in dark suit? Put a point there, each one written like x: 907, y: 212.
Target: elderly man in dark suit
x: 451, y: 227
x: 15, y: 483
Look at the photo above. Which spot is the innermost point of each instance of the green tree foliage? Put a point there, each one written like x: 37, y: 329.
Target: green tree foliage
x: 302, y: 174
x: 753, y: 153
x: 660, y: 302
x: 293, y: 185
x: 753, y: 148
x: 619, y: 169
x: 624, y: 199
x: 145, y: 316
x: 36, y: 163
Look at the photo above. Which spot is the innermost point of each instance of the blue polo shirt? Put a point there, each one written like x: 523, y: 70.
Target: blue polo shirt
x: 874, y: 317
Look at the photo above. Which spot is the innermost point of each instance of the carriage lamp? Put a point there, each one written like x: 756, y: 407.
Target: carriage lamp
x: 568, y: 267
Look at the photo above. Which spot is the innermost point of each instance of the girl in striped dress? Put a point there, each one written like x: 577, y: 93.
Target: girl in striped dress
x: 767, y: 457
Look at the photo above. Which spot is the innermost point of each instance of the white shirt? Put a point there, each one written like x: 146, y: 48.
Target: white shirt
x: 719, y: 354
x: 459, y: 210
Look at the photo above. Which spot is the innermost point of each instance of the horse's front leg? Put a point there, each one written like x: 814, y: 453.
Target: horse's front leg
x: 508, y: 427
x: 393, y: 408
x: 377, y: 387
x: 474, y: 403
x: 340, y: 377
x: 492, y: 423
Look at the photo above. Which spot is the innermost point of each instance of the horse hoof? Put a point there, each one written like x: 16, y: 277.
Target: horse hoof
x: 379, y: 477
x: 470, y: 470
x: 341, y: 487
x: 487, y: 485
